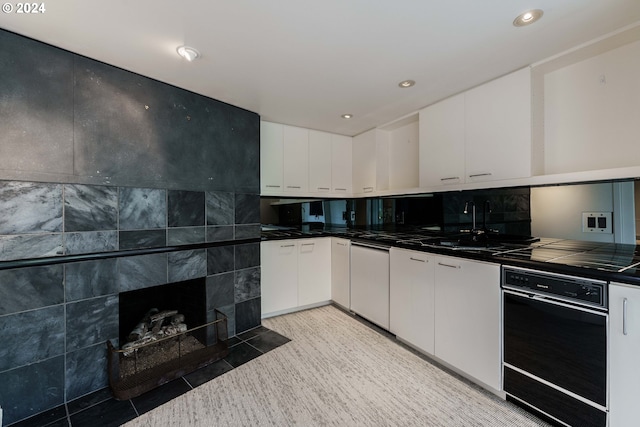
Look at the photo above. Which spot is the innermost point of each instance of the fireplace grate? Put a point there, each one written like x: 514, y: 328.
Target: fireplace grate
x: 150, y: 365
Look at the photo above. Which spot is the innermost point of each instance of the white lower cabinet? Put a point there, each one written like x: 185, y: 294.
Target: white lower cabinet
x: 314, y: 271
x: 279, y: 275
x: 411, y: 297
x: 294, y: 274
x: 624, y: 354
x: 467, y: 317
x: 340, y: 268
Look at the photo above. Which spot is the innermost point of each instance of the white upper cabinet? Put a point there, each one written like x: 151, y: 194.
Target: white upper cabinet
x: 483, y: 134
x: 319, y: 162
x: 442, y: 143
x: 497, y: 124
x: 271, y: 158
x: 364, y: 162
x: 296, y: 159
x: 341, y: 164
x: 591, y: 112
x: 403, y: 149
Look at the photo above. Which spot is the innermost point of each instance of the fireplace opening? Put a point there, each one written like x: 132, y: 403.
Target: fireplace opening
x: 164, y: 333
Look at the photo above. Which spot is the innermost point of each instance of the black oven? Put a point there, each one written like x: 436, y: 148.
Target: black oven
x: 555, y: 345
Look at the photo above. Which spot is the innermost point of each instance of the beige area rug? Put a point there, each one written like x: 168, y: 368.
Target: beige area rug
x: 335, y: 371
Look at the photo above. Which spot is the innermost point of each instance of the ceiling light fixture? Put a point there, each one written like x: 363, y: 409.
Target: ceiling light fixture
x: 347, y: 116
x: 528, y: 17
x: 406, y: 83
x: 188, y: 53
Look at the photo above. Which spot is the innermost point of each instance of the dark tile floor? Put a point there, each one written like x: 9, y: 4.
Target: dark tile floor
x: 100, y: 409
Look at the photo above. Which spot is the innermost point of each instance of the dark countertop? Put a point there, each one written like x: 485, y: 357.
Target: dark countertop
x: 604, y: 261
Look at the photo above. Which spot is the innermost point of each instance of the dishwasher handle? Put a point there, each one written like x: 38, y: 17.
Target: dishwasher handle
x: 371, y: 245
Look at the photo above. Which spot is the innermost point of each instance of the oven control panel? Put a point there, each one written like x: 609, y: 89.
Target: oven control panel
x: 571, y: 288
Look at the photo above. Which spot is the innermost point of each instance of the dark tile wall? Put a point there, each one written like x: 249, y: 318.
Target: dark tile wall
x: 98, y: 159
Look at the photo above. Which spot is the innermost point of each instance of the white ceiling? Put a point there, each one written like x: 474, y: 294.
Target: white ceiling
x: 305, y: 63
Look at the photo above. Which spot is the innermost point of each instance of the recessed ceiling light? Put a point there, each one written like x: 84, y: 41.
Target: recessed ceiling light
x: 188, y: 53
x: 406, y: 83
x: 528, y: 17
x: 347, y: 116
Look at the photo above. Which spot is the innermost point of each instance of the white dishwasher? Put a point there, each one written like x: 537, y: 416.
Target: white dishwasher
x: 370, y: 282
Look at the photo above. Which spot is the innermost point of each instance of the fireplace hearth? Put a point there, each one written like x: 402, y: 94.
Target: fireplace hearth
x: 137, y: 369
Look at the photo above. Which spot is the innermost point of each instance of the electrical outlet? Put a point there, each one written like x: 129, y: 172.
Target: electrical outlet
x: 597, y: 222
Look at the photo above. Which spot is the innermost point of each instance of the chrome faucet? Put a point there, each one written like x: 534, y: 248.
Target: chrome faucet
x: 473, y: 212
x: 486, y: 209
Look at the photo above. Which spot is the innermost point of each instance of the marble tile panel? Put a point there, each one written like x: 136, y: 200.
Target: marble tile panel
x: 142, y: 271
x: 90, y: 208
x: 241, y: 354
x: 37, y: 107
x: 220, y: 259
x: 87, y: 242
x: 230, y: 312
x: 251, y: 231
x: 24, y: 289
x: 31, y: 336
x: 220, y: 290
x: 220, y: 208
x: 248, y: 315
x: 247, y: 255
x: 30, y: 246
x: 32, y: 389
x: 91, y: 321
x: 142, y: 239
x: 209, y: 372
x: 185, y: 235
x: 219, y: 233
x: 161, y: 395
x: 186, y: 208
x: 27, y: 207
x: 89, y: 279
x: 89, y: 400
x: 53, y: 417
x: 185, y: 265
x: 268, y: 341
x: 244, y: 140
x: 247, y: 284
x: 143, y: 208
x: 247, y: 209
x: 85, y: 371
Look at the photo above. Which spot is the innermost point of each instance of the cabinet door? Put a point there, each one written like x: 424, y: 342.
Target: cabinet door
x: 442, y: 143
x: 498, y: 129
x: 364, y: 162
x: 271, y: 158
x: 624, y: 353
x: 314, y: 271
x: 467, y: 317
x: 411, y: 297
x: 279, y: 275
x: 296, y: 159
x: 340, y: 267
x: 319, y: 162
x: 341, y: 164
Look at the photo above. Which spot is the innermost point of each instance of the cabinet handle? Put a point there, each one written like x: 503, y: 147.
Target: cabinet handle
x: 475, y: 175
x: 272, y: 186
x: 624, y: 316
x: 340, y: 189
x: 367, y: 189
x: 324, y: 188
x: 287, y: 246
x: 418, y: 259
x: 307, y: 244
x: 448, y: 265
x: 293, y: 186
x: 341, y: 244
x: 451, y: 178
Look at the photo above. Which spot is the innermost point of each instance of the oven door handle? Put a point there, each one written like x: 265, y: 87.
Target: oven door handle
x: 624, y: 316
x: 547, y: 300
